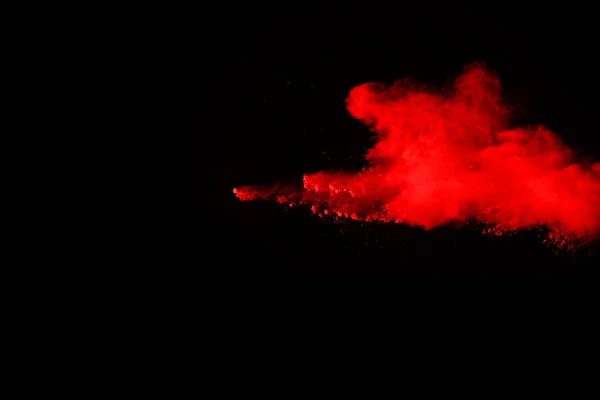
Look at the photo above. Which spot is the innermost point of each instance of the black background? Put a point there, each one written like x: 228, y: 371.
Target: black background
x: 275, y: 78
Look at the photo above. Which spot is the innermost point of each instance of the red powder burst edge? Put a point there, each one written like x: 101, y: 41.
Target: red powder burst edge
x: 448, y: 156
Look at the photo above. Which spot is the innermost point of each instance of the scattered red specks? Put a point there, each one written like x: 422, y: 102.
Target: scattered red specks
x: 450, y: 155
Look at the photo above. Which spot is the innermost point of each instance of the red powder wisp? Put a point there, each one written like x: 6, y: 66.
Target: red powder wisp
x: 449, y: 156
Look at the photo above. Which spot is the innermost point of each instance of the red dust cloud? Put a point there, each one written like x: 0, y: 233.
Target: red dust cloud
x: 451, y: 156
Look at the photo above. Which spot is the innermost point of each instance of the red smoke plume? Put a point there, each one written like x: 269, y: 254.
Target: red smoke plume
x: 449, y: 156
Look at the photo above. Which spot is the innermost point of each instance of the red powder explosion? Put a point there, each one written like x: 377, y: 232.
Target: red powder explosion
x: 441, y: 157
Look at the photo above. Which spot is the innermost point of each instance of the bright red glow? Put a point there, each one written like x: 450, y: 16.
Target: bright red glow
x: 447, y: 156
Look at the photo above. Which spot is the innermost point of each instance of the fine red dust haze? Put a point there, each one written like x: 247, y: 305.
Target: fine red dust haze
x: 441, y: 157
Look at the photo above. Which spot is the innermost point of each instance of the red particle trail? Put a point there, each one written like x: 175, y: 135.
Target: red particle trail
x: 450, y: 155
